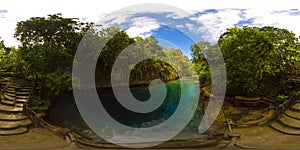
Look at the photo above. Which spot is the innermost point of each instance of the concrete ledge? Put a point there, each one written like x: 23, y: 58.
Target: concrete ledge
x: 247, y: 98
x: 247, y: 101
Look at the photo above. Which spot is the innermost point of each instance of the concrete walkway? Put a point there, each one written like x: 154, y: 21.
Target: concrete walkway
x: 264, y: 137
x: 35, y: 138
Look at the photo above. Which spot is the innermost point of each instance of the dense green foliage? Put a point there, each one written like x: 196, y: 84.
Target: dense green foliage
x: 146, y: 70
x: 10, y: 60
x: 251, y: 54
x: 200, y: 63
x: 48, y: 47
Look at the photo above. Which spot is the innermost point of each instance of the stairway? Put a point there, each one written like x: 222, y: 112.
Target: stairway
x: 289, y: 123
x: 269, y: 98
x: 14, y: 96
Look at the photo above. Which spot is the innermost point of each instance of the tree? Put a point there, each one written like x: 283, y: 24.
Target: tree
x: 199, y: 60
x: 11, y: 60
x: 48, y: 48
x: 49, y: 45
x: 251, y: 52
x: 49, y: 40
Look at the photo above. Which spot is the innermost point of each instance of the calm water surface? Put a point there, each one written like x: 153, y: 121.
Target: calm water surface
x: 65, y: 113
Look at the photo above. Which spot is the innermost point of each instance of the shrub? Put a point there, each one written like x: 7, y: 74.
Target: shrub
x: 39, y: 105
x: 281, y: 98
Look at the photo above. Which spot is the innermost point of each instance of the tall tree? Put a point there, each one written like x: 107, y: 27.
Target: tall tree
x: 48, y: 48
x: 49, y: 40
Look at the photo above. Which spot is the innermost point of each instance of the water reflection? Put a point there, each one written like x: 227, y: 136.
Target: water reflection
x: 65, y: 113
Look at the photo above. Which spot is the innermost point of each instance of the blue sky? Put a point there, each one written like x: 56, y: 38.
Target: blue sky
x: 174, y: 36
x: 205, y: 20
x: 183, y: 29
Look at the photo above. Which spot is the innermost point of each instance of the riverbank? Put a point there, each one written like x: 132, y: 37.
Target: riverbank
x: 133, y: 84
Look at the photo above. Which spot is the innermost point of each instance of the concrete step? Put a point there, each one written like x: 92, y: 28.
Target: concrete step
x: 3, y: 82
x: 296, y: 107
x: 26, y: 86
x: 6, y: 108
x: 293, y: 114
x: 7, y: 97
x: 20, y: 105
x: 270, y: 96
x: 10, y: 88
x: 21, y: 100
x: 267, y: 100
x: 10, y: 91
x: 3, y: 79
x: 16, y: 131
x: 13, y: 86
x: 7, y: 102
x: 15, y: 95
x: 14, y: 124
x: 9, y: 94
x: 284, y: 129
x: 289, y: 122
x: 274, y: 91
x: 12, y: 117
x: 24, y: 89
x: 22, y: 97
x: 273, y: 96
x: 22, y: 93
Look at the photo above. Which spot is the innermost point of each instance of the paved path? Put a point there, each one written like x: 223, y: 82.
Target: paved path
x: 35, y: 138
x: 264, y: 137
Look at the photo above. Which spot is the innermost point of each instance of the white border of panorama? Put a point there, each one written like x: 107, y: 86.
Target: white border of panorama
x: 90, y: 107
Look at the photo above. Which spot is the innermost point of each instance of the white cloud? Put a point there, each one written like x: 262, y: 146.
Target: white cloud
x: 177, y: 15
x: 93, y: 10
x: 216, y: 23
x: 179, y: 26
x: 142, y: 26
x: 190, y: 27
x: 279, y: 19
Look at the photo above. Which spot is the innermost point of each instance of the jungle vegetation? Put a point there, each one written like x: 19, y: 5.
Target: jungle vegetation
x: 47, y: 50
x: 252, y: 55
x: 48, y: 46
